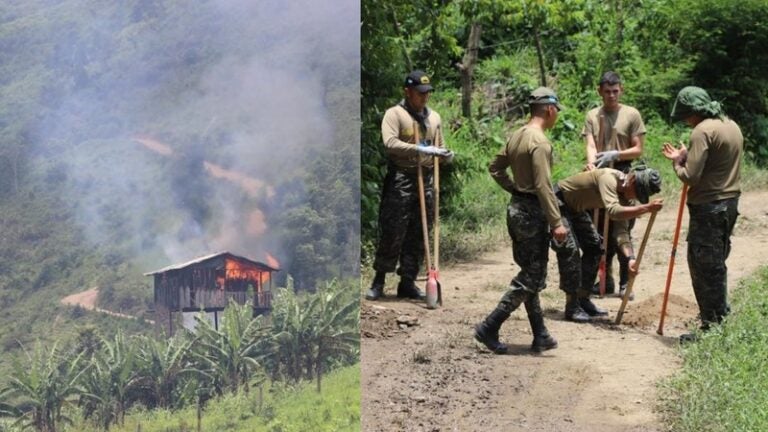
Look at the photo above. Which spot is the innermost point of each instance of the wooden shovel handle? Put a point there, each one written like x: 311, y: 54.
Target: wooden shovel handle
x: 436, y: 195
x: 422, y: 201
x: 676, y: 237
x: 639, y: 258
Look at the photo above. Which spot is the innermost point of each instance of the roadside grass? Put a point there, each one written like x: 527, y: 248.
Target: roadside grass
x: 723, y: 383
x: 337, y: 408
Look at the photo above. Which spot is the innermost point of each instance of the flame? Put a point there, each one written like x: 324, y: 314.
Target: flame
x: 253, y: 187
x: 155, y: 146
x: 238, y: 270
x: 272, y: 261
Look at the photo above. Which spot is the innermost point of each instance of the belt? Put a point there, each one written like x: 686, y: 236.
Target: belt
x: 524, y: 195
x: 427, y: 170
x: 558, y: 192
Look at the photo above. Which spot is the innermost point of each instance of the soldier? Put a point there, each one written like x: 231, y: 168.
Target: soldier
x: 400, y: 232
x: 603, y: 188
x: 711, y: 169
x: 614, y: 134
x: 533, y: 218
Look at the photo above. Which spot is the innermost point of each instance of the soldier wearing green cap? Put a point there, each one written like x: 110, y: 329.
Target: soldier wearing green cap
x: 614, y: 135
x: 710, y: 166
x: 533, y: 219
x: 602, y: 188
x: 400, y: 232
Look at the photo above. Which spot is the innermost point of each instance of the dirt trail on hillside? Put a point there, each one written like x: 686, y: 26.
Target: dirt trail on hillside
x: 87, y: 300
x: 432, y: 376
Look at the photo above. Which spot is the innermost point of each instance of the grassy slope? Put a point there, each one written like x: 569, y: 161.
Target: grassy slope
x: 721, y: 386
x: 337, y: 408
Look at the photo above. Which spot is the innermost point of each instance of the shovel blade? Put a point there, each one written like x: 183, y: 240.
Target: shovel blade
x: 433, y: 290
x: 602, y: 277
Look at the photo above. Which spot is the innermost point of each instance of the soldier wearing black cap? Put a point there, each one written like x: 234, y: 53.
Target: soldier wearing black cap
x: 400, y: 232
x: 533, y: 219
x: 603, y: 188
x: 711, y: 168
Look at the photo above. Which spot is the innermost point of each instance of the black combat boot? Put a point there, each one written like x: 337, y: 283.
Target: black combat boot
x: 542, y: 340
x: 573, y: 310
x: 610, y: 286
x: 586, y: 304
x: 377, y: 287
x: 408, y: 289
x: 623, y: 289
x: 487, y: 332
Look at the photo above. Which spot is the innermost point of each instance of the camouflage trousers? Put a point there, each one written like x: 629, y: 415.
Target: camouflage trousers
x: 529, y: 230
x: 400, y: 234
x: 578, y: 257
x: 709, y: 244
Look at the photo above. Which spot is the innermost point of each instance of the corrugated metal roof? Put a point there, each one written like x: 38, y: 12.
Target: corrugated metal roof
x: 209, y: 257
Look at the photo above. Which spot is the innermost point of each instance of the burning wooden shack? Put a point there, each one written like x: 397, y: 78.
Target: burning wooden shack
x: 208, y: 283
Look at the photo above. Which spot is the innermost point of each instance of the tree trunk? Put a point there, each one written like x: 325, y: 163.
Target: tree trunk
x: 467, y: 69
x: 401, y: 38
x: 199, y: 414
x: 618, y: 13
x: 540, y: 55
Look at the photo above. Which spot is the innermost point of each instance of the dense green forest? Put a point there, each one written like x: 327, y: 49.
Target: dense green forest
x: 507, y: 48
x: 137, y: 134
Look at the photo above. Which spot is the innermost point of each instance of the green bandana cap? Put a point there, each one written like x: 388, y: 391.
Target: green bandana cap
x: 647, y: 182
x: 695, y: 101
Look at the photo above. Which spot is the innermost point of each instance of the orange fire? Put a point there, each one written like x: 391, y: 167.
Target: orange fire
x: 238, y: 270
x: 253, y: 187
x: 155, y: 146
x: 272, y: 261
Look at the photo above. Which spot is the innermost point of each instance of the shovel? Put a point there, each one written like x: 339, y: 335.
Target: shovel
x: 676, y: 237
x: 631, y: 282
x: 601, y: 269
x: 433, y: 290
x: 436, y: 268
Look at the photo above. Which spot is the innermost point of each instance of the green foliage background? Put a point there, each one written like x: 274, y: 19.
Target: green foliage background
x: 83, y: 205
x: 657, y: 46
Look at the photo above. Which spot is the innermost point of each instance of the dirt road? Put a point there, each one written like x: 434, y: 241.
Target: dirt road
x: 432, y: 376
x: 87, y: 300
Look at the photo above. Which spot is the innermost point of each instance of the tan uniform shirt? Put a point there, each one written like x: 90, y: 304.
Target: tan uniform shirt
x: 597, y: 189
x: 529, y: 154
x: 619, y: 127
x: 397, y: 132
x: 712, y: 169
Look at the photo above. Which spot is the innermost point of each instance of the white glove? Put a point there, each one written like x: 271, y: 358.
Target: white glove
x: 606, y: 157
x: 449, y: 158
x: 433, y: 151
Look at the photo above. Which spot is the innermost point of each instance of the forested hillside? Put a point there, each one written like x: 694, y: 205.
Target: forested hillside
x: 137, y: 134
x: 507, y: 48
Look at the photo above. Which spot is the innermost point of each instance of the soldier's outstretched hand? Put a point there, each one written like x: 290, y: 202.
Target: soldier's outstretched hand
x: 675, y: 154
